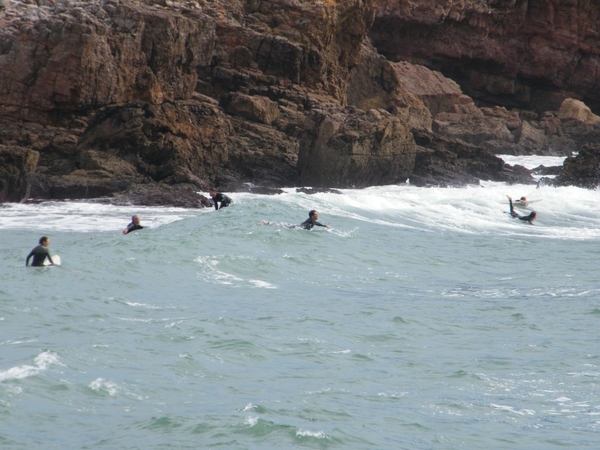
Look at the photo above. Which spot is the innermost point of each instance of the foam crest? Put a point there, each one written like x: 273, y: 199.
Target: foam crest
x: 85, y: 217
x: 41, y: 363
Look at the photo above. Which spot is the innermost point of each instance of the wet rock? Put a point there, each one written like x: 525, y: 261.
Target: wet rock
x: 353, y: 149
x: 547, y: 59
x: 154, y: 194
x: 17, y: 168
x: 582, y: 170
x: 311, y: 191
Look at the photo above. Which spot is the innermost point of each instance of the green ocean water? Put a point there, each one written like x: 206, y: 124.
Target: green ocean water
x: 425, y: 319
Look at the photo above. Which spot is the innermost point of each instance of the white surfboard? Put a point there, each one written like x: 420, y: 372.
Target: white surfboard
x: 55, y: 259
x: 520, y: 204
x: 524, y: 205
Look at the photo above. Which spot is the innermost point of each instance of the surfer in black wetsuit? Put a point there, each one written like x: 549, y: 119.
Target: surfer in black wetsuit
x: 529, y: 218
x: 522, y: 202
x: 134, y: 225
x: 309, y: 223
x: 40, y: 253
x: 219, y: 197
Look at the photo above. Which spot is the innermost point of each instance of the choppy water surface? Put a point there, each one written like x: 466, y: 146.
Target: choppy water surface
x: 425, y: 319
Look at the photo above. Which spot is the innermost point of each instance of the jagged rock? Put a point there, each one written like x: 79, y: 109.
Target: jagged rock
x: 346, y: 149
x: 528, y: 55
x: 312, y: 191
x: 375, y: 83
x: 543, y: 170
x: 472, y: 129
x: 158, y: 194
x: 258, y: 109
x: 582, y: 170
x: 263, y: 190
x: 17, y: 167
x: 576, y: 109
x: 438, y: 93
x: 446, y: 162
x: 57, y: 56
x: 118, y: 94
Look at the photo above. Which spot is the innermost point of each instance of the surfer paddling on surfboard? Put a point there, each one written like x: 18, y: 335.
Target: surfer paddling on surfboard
x: 522, y: 202
x: 40, y: 253
x: 134, y: 225
x: 529, y: 218
x: 308, y: 224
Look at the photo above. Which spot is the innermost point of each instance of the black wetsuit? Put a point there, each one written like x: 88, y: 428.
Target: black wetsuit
x: 223, y: 199
x: 529, y: 218
x: 39, y: 253
x: 309, y: 223
x: 132, y: 227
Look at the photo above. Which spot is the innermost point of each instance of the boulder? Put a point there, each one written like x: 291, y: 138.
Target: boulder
x: 577, y: 110
x: 448, y: 163
x: 582, y: 170
x: 353, y: 149
x: 437, y: 92
x: 255, y: 108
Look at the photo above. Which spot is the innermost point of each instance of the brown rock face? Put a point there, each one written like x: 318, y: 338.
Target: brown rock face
x: 85, y: 55
x: 355, y: 150
x: 117, y: 93
x: 135, y: 97
x: 526, y: 54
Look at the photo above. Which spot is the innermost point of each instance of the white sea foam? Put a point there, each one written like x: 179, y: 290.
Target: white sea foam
x: 262, y: 284
x: 564, y: 213
x: 86, y: 217
x: 521, y: 412
x: 532, y: 161
x: 41, y: 363
x: 251, y: 420
x: 309, y: 433
x: 105, y: 386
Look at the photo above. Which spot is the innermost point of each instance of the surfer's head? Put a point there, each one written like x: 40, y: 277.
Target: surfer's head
x: 532, y: 216
x: 212, y: 192
x: 45, y: 241
x: 135, y: 219
x: 313, y: 214
x: 523, y: 199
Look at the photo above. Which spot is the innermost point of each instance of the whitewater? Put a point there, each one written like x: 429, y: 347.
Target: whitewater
x: 426, y: 318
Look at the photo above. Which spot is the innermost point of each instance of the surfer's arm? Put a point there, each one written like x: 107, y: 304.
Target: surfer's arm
x: 28, y: 258
x: 512, y: 209
x: 47, y: 251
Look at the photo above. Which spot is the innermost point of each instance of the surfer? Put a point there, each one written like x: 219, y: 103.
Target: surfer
x: 309, y: 223
x: 40, y: 253
x: 134, y: 225
x: 529, y: 218
x: 219, y: 197
x: 522, y: 202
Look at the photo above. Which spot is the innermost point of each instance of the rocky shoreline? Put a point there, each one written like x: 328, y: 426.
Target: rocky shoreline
x: 150, y: 102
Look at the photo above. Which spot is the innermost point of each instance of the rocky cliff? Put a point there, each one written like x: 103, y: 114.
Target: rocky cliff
x: 121, y: 97
x: 527, y: 54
